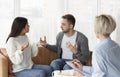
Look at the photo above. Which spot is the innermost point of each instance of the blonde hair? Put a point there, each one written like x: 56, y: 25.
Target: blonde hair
x: 104, y: 24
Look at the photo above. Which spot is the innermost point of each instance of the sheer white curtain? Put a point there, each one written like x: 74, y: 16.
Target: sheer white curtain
x: 6, y: 17
x: 43, y: 16
x: 85, y: 12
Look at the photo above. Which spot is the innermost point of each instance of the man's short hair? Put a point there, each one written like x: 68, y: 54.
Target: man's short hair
x: 70, y: 18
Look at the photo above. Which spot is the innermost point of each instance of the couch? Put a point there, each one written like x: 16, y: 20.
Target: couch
x: 44, y: 57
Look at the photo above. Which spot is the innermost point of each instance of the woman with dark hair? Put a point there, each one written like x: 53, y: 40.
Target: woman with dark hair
x: 20, y: 51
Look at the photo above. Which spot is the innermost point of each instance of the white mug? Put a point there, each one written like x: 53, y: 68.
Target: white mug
x: 68, y: 72
x: 55, y: 73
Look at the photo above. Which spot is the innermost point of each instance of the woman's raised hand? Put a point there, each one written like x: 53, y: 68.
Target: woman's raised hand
x: 24, y: 47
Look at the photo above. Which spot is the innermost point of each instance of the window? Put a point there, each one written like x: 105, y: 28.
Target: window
x: 43, y: 16
x: 6, y: 17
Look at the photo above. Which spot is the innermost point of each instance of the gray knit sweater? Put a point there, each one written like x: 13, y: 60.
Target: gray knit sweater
x: 83, y: 49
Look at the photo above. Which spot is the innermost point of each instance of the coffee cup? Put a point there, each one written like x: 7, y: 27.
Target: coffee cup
x: 55, y: 73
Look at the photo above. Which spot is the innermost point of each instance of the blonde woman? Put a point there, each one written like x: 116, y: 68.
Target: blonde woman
x: 106, y: 55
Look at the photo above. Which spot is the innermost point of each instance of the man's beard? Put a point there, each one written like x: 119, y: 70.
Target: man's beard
x: 66, y: 31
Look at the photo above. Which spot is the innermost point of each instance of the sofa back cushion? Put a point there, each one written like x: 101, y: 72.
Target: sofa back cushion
x: 44, y: 56
x: 4, y: 53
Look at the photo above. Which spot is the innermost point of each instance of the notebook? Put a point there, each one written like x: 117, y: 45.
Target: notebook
x: 73, y: 66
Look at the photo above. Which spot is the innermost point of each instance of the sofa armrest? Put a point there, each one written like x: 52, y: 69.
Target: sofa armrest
x: 3, y: 66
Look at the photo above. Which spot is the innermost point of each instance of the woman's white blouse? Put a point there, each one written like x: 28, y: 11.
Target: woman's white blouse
x: 21, y: 59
